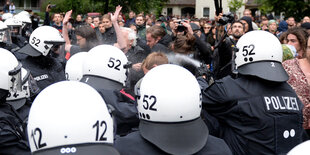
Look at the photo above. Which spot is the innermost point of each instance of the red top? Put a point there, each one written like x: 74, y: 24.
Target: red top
x: 299, y: 83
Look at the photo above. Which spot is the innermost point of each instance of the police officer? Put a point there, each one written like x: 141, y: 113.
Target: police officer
x: 169, y: 107
x: 13, y: 139
x: 5, y: 38
x: 106, y: 68
x: 24, y: 16
x: 74, y: 67
x: 70, y: 117
x: 43, y: 43
x: 22, y: 98
x: 15, y: 27
x: 258, y: 112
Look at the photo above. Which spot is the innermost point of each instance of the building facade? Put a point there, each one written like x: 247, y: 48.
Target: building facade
x: 202, y: 8
x: 20, y: 5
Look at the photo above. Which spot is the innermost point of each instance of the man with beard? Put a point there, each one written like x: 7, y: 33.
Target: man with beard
x: 223, y: 56
x: 299, y: 78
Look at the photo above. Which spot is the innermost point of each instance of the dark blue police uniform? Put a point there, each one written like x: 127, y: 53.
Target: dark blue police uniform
x: 134, y: 143
x: 256, y: 116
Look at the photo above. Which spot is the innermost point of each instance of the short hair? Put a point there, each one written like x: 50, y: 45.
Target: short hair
x: 131, y: 35
x: 238, y: 21
x: 155, y: 58
x: 106, y: 16
x: 156, y: 31
x: 140, y: 15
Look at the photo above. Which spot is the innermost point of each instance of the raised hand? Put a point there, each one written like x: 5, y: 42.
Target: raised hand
x: 116, y: 13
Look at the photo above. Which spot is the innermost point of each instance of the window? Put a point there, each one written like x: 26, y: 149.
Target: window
x: 206, y: 12
x: 169, y: 11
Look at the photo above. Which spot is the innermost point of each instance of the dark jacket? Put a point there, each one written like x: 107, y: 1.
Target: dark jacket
x: 256, y: 116
x: 109, y: 36
x: 203, y: 50
x: 134, y: 143
x: 45, y: 70
x: 135, y: 55
x: 163, y: 44
x: 123, y: 109
x: 141, y: 29
x: 130, y: 21
x: 13, y: 137
x: 222, y: 59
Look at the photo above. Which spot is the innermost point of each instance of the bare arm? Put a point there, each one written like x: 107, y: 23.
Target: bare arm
x: 120, y: 38
x: 65, y: 31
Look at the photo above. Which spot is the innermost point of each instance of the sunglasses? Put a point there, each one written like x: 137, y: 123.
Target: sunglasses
x: 207, y: 27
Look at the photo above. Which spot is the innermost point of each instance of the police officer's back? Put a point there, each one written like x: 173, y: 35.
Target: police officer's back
x: 106, y: 68
x: 169, y: 113
x: 70, y: 117
x: 259, y: 113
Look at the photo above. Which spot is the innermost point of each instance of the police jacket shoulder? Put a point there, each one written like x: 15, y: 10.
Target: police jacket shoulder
x: 45, y: 70
x: 134, y: 143
x: 215, y: 146
x: 12, y: 135
x: 229, y: 88
x: 124, y: 110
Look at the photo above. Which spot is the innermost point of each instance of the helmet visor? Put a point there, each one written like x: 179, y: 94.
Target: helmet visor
x: 32, y: 84
x: 15, y: 30
x: 5, y: 36
x: 16, y: 79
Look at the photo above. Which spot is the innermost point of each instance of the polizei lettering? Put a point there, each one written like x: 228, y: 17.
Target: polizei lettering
x: 41, y: 77
x: 281, y: 103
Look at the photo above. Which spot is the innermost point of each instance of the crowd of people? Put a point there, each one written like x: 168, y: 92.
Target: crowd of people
x: 107, y: 84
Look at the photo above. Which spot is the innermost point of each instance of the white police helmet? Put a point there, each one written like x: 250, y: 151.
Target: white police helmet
x: 74, y: 67
x: 6, y: 16
x: 23, y: 17
x: 260, y: 54
x: 105, y: 65
x: 26, y: 13
x: 42, y: 40
x: 5, y: 35
x: 70, y: 117
x: 301, y: 149
x: 17, y: 97
x: 10, y: 71
x: 14, y: 25
x: 169, y: 107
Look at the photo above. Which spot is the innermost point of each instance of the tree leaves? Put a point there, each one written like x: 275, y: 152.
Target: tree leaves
x: 85, y: 6
x: 295, y: 8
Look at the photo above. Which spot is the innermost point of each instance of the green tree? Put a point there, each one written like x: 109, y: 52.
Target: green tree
x: 104, y: 6
x: 295, y: 8
x: 235, y: 5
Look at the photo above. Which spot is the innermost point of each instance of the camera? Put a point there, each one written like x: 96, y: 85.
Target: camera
x: 52, y: 6
x: 181, y: 27
x: 227, y: 18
